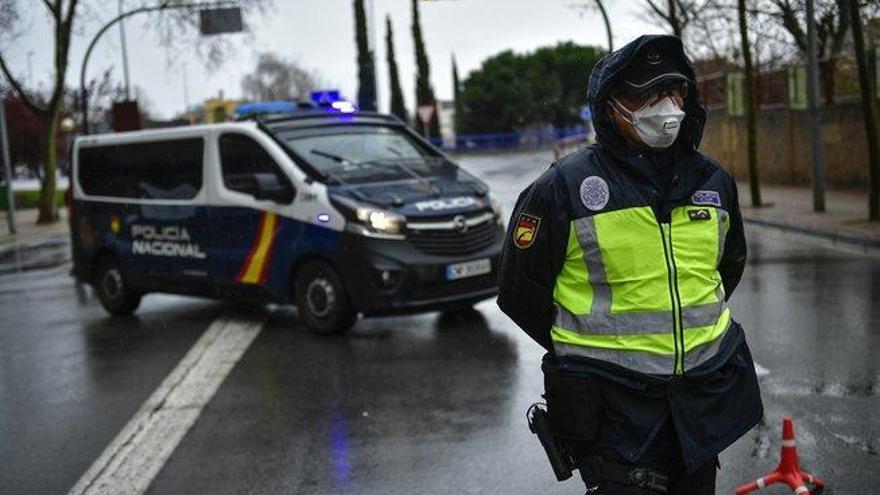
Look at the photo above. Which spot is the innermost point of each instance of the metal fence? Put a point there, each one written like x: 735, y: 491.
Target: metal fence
x: 510, y: 140
x: 782, y: 88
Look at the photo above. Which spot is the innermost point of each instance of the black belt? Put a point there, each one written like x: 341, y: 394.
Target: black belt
x: 595, y: 468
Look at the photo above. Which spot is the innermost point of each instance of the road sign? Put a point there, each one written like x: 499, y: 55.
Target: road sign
x: 425, y: 113
x: 219, y: 21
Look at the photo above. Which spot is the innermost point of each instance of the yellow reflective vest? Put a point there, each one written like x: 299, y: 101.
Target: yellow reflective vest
x: 643, y: 294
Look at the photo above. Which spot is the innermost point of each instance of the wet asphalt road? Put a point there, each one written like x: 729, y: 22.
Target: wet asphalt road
x: 432, y: 403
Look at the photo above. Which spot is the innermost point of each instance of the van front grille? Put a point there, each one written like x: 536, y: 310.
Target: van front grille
x: 451, y: 242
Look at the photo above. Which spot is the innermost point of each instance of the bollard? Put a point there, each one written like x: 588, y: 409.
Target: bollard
x: 788, y: 471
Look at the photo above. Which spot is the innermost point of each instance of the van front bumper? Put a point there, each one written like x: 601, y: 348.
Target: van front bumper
x: 395, y: 277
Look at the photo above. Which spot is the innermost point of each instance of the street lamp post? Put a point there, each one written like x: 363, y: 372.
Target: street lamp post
x: 84, y: 97
x: 7, y: 170
x: 815, y: 112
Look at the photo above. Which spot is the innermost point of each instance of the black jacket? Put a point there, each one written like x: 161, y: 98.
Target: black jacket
x: 713, y: 404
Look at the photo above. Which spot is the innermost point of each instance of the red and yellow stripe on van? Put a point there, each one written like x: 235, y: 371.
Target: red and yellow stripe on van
x: 256, y: 266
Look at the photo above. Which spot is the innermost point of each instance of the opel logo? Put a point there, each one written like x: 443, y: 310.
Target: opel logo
x: 460, y: 224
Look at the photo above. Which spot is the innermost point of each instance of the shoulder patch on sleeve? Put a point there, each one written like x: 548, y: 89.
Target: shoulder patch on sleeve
x: 706, y: 198
x: 526, y: 230
x: 594, y: 193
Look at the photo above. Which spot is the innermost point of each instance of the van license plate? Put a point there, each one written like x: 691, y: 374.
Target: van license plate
x: 468, y: 269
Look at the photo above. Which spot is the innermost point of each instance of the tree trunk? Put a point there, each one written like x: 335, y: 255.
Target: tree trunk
x: 673, y: 19
x: 827, y: 69
x: 607, y: 25
x: 751, y: 106
x: 398, y: 106
x: 366, y: 71
x: 48, y: 207
x: 868, y: 111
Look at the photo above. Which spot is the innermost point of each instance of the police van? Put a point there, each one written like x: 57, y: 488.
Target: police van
x: 339, y: 213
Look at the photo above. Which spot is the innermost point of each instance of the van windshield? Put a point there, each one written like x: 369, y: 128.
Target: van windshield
x: 363, y: 153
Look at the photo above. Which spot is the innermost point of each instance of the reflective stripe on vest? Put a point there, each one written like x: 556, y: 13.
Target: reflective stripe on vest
x: 643, y: 295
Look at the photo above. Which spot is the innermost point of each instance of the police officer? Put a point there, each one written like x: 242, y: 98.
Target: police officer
x: 619, y: 261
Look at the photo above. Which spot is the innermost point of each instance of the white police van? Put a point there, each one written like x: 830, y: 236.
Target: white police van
x: 338, y: 213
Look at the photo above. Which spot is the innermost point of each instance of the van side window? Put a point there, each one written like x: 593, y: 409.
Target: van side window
x: 248, y: 168
x: 151, y: 170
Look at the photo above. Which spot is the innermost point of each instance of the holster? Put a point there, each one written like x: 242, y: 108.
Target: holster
x: 574, y: 406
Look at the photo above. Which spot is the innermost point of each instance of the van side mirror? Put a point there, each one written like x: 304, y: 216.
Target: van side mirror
x: 268, y: 186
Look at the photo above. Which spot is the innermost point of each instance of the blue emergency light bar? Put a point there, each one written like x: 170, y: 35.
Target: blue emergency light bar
x: 325, y: 96
x: 267, y: 108
x: 331, y: 100
x: 328, y: 100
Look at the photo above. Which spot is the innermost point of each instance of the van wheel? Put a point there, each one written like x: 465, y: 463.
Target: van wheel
x: 113, y: 291
x: 321, y: 300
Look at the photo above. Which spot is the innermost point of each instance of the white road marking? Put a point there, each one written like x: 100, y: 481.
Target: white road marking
x: 760, y: 370
x: 135, y: 456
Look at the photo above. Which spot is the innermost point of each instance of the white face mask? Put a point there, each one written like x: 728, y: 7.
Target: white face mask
x: 657, y: 125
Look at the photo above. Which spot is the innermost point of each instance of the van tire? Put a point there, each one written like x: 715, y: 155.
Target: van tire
x: 116, y: 296
x: 321, y: 300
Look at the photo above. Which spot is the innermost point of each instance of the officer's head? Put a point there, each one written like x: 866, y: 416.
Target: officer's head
x: 648, y: 104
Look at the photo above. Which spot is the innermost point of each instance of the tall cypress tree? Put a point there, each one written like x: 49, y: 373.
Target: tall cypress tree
x: 456, y: 94
x: 397, y: 106
x: 424, y: 91
x: 366, y: 71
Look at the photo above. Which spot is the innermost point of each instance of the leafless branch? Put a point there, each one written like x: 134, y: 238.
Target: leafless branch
x: 16, y: 86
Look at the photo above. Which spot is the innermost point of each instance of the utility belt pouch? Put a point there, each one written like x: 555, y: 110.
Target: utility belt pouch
x: 573, y: 405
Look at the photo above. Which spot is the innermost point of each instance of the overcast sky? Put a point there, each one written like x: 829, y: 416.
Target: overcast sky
x: 320, y: 35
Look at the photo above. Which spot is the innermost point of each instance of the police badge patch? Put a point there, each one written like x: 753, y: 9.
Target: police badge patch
x: 526, y: 230
x: 706, y: 198
x: 594, y: 193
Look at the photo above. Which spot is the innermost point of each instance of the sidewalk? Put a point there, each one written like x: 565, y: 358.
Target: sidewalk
x: 29, y: 233
x: 791, y: 208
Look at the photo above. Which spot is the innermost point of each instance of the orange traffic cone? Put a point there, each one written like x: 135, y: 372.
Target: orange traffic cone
x: 788, y: 471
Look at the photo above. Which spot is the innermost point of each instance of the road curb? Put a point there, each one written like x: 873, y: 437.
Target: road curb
x: 863, y: 244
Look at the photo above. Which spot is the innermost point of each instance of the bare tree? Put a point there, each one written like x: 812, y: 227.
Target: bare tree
x: 593, y: 6
x: 714, y: 34
x: 275, y: 78
x: 868, y: 111
x: 178, y: 30
x: 62, y: 14
x: 66, y: 18
x: 675, y: 14
x: 751, y: 104
x: 833, y: 21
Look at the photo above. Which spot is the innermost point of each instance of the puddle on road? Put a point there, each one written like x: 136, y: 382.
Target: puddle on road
x: 865, y: 445
x: 762, y: 440
x: 33, y: 256
x: 868, y: 388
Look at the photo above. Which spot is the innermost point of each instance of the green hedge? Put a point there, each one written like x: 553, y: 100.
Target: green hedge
x: 28, y: 199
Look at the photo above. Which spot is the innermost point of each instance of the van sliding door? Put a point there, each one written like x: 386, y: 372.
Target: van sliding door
x: 149, y: 205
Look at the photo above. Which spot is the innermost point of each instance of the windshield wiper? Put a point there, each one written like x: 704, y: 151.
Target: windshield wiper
x: 331, y: 156
x: 400, y: 164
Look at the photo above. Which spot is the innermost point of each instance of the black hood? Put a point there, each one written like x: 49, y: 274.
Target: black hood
x: 440, y: 195
x: 605, y: 79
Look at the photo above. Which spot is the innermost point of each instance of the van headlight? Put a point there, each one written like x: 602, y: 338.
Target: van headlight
x: 381, y: 221
x: 370, y: 221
